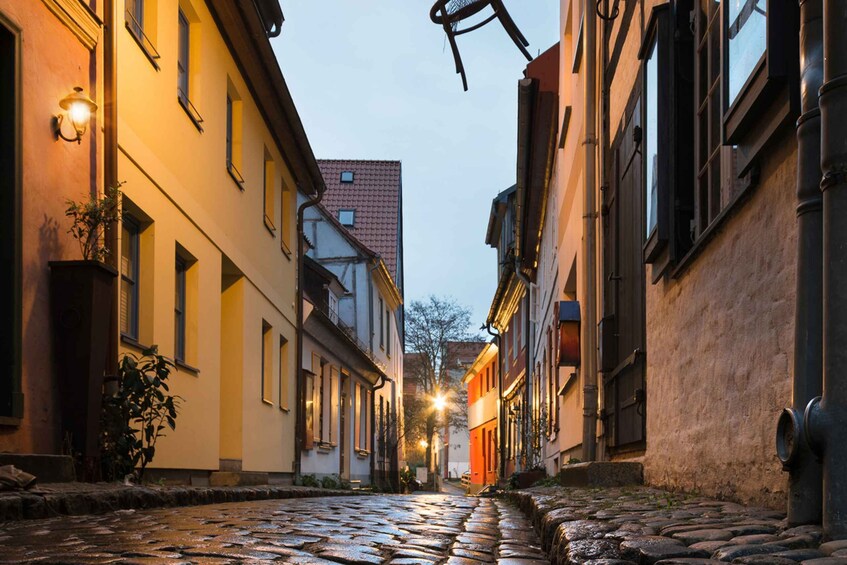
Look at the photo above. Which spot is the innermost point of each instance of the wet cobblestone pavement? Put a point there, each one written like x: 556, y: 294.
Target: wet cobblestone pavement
x: 399, y: 530
x: 636, y: 526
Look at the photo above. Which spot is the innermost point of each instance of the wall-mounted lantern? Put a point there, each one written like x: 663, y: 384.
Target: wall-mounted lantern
x: 78, y: 108
x: 569, y: 333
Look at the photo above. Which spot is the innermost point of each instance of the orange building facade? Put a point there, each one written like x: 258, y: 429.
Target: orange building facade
x: 483, y: 403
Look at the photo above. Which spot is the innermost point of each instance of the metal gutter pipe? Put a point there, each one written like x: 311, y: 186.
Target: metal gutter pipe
x: 804, y: 482
x: 300, y: 424
x: 826, y: 416
x: 501, y: 414
x: 589, y: 246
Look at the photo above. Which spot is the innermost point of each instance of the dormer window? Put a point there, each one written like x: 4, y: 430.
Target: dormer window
x: 347, y: 176
x: 347, y: 217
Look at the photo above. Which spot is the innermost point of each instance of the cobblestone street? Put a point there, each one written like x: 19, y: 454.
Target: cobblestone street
x: 395, y: 529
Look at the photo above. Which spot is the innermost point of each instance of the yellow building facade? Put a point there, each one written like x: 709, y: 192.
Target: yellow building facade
x: 211, y: 154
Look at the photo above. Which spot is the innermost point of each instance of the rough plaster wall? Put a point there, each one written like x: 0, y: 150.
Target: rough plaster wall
x: 720, y: 351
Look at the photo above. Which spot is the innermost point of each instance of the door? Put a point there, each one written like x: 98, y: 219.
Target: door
x: 623, y: 325
x: 11, y: 401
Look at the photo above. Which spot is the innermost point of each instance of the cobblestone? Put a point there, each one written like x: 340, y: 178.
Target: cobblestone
x: 394, y: 529
x: 643, y: 526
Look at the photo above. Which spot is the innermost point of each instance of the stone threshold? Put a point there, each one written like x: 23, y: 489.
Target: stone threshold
x: 75, y: 499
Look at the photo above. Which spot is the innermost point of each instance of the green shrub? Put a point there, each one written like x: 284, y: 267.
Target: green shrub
x: 309, y: 481
x: 329, y: 482
x: 136, y: 415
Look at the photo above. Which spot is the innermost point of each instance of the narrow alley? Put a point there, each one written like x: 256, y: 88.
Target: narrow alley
x: 396, y: 529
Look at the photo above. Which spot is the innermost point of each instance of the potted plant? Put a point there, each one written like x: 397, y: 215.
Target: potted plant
x: 81, y: 294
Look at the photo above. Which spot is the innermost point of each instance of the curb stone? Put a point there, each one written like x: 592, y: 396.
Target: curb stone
x: 76, y: 499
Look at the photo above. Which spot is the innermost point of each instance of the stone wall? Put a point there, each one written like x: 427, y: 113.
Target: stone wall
x: 720, y: 350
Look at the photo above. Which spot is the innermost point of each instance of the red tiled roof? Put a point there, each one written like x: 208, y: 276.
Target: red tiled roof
x: 375, y: 195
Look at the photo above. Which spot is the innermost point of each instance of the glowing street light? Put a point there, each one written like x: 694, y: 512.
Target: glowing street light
x: 424, y: 444
x: 439, y: 403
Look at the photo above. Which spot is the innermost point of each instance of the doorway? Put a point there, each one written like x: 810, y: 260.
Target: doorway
x: 11, y: 399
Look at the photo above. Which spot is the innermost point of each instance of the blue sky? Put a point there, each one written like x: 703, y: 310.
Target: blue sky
x: 376, y: 80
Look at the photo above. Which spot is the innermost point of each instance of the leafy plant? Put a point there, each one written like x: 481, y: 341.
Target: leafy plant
x: 90, y: 219
x: 329, y: 482
x: 309, y: 481
x: 137, y: 414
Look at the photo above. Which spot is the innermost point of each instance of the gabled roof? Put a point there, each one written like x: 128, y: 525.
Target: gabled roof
x: 375, y: 194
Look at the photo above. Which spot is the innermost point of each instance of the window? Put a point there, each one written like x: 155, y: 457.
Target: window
x: 362, y: 421
x: 286, y: 214
x: 347, y: 176
x: 332, y: 404
x: 179, y: 309
x: 233, y: 133
x: 316, y: 397
x: 269, y: 188
x: 140, y: 16
x: 129, y: 277
x: 183, y: 65
x: 308, y: 395
x: 332, y: 306
x: 347, y: 217
x: 381, y: 325
x: 183, y: 54
x: 722, y: 86
x: 283, y: 373
x: 267, y: 363
x: 388, y: 332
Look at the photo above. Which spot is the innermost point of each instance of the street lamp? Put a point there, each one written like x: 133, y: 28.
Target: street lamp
x: 439, y: 403
x: 424, y: 444
x: 79, y: 108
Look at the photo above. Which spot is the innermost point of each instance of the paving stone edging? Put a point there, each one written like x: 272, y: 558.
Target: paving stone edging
x: 81, y: 498
x: 645, y: 526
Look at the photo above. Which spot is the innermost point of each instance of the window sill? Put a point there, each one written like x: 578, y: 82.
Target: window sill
x: 190, y: 110
x: 716, y: 225
x: 362, y: 453
x: 145, y: 45
x: 10, y: 421
x: 285, y: 249
x: 235, y: 175
x: 186, y: 367
x: 284, y: 409
x: 270, y: 226
x: 267, y: 402
x: 135, y: 344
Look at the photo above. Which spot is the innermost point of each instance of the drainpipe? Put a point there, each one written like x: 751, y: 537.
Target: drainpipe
x: 805, y: 488
x: 501, y: 409
x: 527, y: 420
x: 826, y: 416
x: 110, y: 161
x: 589, y: 246
x: 383, y: 379
x: 301, y: 400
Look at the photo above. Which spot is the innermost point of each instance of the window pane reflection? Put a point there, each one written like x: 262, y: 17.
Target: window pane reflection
x: 747, y: 40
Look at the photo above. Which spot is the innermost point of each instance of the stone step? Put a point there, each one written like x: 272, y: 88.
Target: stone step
x: 46, y: 468
x: 602, y: 474
x: 237, y: 479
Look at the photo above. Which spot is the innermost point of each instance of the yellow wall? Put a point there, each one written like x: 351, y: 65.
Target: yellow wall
x: 177, y: 175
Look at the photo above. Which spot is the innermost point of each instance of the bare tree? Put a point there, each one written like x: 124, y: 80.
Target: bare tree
x: 430, y: 326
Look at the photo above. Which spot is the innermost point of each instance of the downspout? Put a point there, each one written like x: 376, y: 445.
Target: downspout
x: 301, y: 400
x: 604, y: 180
x: 589, y: 247
x: 383, y: 379
x: 804, y: 482
x: 501, y: 409
x: 110, y: 161
x: 826, y: 416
